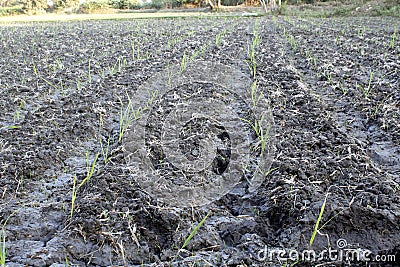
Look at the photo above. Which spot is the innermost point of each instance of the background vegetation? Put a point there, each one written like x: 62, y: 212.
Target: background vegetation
x: 313, y: 8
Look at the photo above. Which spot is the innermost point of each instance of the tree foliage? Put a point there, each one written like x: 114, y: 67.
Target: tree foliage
x: 94, y: 6
x: 125, y: 4
x: 5, y: 3
x: 59, y: 4
x: 34, y: 6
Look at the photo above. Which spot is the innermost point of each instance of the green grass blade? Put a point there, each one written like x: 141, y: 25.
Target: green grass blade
x: 195, y: 230
x: 321, y: 213
x: 11, y: 127
x: 2, y: 247
x: 73, y: 197
x: 90, y: 171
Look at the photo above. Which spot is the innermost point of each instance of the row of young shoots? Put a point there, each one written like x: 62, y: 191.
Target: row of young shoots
x: 260, y: 125
x: 94, y: 71
x: 251, y: 50
x: 325, y: 70
x: 128, y: 112
x: 90, y: 170
x: 201, y: 50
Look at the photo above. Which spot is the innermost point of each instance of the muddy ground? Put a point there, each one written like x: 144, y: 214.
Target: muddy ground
x: 333, y: 89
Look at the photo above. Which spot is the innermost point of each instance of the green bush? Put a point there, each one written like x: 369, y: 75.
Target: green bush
x: 231, y: 2
x: 60, y: 4
x: 34, y: 6
x: 157, y: 4
x: 93, y: 6
x: 388, y: 11
x: 13, y: 10
x: 125, y: 4
x: 283, y: 9
x: 199, y: 2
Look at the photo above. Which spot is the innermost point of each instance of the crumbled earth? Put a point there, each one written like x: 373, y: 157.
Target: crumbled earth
x: 333, y: 91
